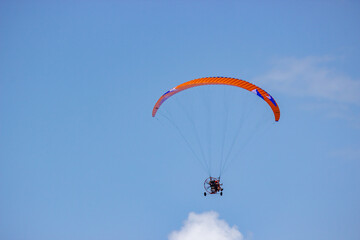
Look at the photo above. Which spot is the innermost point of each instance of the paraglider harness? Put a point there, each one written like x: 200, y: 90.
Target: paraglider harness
x: 212, y: 185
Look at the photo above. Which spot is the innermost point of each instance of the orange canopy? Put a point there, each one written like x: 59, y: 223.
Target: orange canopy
x: 221, y: 81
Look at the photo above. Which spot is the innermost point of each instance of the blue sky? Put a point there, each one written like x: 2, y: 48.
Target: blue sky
x: 82, y: 158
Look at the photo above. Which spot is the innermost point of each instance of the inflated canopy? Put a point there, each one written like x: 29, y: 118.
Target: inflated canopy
x: 221, y: 81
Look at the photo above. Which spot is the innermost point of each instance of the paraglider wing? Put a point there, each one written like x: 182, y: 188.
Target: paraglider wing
x: 221, y: 81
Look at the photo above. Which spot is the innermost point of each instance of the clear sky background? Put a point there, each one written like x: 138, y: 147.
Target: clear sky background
x: 82, y: 158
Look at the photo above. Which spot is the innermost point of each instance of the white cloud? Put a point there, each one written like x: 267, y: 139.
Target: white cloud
x: 348, y: 153
x: 312, y: 77
x: 321, y: 88
x: 206, y: 226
